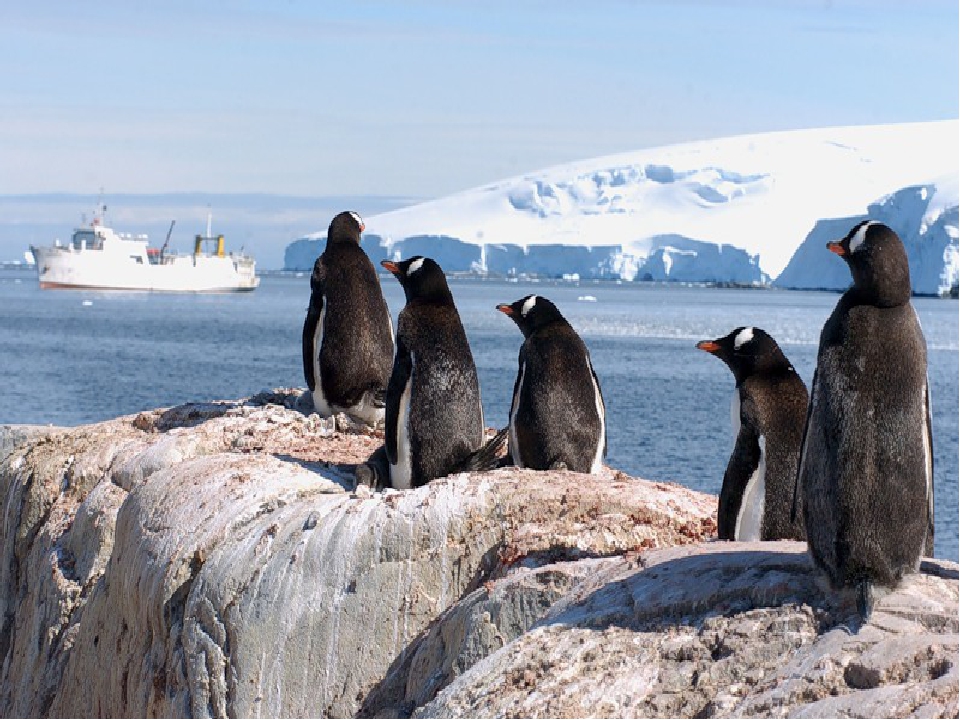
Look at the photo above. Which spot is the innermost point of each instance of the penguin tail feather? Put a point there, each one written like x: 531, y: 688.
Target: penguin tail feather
x: 865, y: 598
x: 487, y: 457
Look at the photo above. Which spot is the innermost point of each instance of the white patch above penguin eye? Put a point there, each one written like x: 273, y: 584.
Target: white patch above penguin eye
x: 414, y: 266
x: 359, y: 219
x: 742, y: 338
x: 528, y: 305
x: 861, y: 235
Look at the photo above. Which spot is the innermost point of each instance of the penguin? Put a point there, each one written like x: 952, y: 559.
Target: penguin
x: 557, y: 415
x: 768, y: 413
x: 866, y: 464
x: 347, y: 333
x: 434, y: 419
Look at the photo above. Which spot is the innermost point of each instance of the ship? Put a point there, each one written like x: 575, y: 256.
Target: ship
x: 98, y: 258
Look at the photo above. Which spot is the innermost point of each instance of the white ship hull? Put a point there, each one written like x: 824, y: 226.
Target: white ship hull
x: 102, y: 260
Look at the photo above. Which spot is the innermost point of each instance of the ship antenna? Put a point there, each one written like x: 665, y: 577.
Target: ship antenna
x: 209, y: 222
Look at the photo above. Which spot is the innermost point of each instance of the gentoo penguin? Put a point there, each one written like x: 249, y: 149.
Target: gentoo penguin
x: 347, y: 334
x: 434, y: 421
x: 866, y: 464
x: 557, y: 416
x: 768, y: 412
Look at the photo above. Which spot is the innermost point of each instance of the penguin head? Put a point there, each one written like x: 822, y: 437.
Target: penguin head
x: 746, y: 350
x: 877, y: 261
x: 531, y: 313
x: 421, y: 279
x: 346, y: 226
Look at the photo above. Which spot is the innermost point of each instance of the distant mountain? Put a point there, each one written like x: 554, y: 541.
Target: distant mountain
x: 728, y: 210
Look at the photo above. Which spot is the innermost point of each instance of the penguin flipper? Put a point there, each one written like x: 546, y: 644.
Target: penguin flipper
x: 487, y: 457
x: 803, y: 451
x: 514, y: 407
x: 928, y: 544
x: 402, y: 369
x: 318, y: 282
x: 314, y: 310
x: 743, y: 462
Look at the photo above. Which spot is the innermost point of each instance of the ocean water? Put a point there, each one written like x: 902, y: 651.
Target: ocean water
x: 73, y: 357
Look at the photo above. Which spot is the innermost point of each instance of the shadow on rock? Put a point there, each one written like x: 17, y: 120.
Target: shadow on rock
x: 388, y: 698
x: 702, y: 582
x: 341, y: 474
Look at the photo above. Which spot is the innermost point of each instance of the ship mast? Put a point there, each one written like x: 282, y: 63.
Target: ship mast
x: 99, y: 215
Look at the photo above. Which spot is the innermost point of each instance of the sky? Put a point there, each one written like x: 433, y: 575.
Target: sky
x: 421, y: 100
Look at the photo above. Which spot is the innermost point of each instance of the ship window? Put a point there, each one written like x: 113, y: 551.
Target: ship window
x: 83, y: 236
x: 137, y: 258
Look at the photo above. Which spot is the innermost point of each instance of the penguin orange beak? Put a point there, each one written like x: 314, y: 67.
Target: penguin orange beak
x: 708, y: 346
x: 837, y: 248
x: 506, y: 310
x: 391, y: 266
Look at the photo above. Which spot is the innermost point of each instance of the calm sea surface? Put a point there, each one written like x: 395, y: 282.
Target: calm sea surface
x: 72, y: 357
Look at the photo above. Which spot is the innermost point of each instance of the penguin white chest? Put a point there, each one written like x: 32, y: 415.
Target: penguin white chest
x: 319, y: 399
x: 401, y: 472
x: 750, y: 516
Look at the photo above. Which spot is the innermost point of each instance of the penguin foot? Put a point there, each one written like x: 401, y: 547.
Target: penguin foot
x: 865, y: 599
x: 367, y: 474
x: 559, y: 465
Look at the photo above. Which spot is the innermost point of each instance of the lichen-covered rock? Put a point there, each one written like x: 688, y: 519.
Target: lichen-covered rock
x: 214, y: 560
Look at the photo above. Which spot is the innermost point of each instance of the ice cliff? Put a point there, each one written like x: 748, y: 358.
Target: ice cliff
x: 211, y: 560
x: 729, y: 210
x: 924, y: 216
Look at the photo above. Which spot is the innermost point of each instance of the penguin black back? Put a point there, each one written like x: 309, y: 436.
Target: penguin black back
x: 768, y: 413
x: 557, y: 415
x: 866, y: 469
x: 347, y: 334
x: 434, y: 419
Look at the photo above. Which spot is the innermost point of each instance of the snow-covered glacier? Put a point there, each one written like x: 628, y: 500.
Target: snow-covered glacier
x: 743, y: 209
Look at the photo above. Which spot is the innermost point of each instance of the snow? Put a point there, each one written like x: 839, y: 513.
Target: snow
x: 729, y: 210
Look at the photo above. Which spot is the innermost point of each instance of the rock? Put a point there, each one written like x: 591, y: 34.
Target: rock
x: 214, y: 560
x: 721, y: 630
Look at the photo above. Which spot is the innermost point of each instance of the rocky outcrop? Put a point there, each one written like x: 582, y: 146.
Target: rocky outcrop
x: 214, y: 560
x: 712, y: 630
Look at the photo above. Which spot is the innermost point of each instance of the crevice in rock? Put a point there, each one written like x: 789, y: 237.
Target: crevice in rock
x: 6, y: 635
x: 507, y: 562
x: 23, y: 546
x: 173, y: 609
